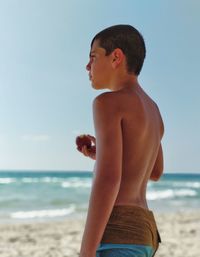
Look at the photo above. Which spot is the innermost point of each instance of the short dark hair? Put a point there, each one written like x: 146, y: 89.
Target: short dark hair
x: 129, y: 40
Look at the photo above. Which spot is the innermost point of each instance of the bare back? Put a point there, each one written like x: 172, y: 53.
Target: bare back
x: 141, y: 133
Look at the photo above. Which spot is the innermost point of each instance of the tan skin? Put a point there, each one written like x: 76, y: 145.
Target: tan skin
x: 128, y: 129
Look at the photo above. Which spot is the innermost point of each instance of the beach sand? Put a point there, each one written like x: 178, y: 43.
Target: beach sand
x: 180, y: 233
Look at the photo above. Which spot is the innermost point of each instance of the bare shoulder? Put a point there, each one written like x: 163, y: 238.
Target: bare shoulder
x: 107, y: 100
x: 106, y: 96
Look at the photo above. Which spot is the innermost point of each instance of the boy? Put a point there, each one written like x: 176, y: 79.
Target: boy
x: 127, y: 149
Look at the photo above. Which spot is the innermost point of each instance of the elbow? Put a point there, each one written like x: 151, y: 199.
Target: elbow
x: 155, y: 175
x: 154, y: 178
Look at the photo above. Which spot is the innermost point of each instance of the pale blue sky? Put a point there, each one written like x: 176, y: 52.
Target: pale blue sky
x: 46, y: 97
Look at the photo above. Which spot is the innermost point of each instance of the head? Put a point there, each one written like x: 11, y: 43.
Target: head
x: 124, y: 40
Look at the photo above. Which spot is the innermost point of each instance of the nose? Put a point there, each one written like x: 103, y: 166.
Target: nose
x: 88, y: 66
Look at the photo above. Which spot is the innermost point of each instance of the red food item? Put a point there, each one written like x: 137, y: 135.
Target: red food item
x: 83, y: 140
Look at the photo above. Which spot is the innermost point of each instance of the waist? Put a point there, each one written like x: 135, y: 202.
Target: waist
x: 130, y: 213
x: 129, y: 224
x: 130, y: 199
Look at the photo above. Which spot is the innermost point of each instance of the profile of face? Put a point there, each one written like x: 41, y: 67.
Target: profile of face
x: 102, y: 68
x: 99, y: 66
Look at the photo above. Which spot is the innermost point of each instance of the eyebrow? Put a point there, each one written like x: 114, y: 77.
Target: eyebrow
x: 92, y: 52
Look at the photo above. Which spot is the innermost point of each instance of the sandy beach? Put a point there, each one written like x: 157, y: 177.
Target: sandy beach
x: 180, y: 234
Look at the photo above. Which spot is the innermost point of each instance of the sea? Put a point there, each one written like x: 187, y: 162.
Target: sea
x: 38, y: 196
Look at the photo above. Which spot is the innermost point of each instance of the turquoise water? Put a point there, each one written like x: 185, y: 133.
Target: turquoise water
x: 37, y: 196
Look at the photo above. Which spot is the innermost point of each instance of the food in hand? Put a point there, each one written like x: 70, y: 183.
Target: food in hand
x: 83, y: 140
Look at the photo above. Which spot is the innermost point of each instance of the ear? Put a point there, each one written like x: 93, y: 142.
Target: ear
x: 117, y: 57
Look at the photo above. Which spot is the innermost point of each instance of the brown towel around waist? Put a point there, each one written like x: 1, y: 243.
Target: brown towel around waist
x: 131, y: 225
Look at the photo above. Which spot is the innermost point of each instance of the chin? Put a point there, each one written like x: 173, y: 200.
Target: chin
x: 97, y: 86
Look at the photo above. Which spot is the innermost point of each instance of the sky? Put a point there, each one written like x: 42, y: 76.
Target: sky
x: 46, y: 97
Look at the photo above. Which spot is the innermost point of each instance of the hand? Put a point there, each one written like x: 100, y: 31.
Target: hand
x: 89, y: 152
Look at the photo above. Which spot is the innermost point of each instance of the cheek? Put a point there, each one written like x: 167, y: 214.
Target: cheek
x: 98, y: 67
x: 95, y: 69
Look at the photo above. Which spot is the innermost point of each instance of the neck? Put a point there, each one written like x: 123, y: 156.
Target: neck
x: 123, y: 82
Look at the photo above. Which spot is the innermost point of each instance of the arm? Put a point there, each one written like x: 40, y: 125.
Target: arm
x: 107, y: 177
x: 157, y: 170
x: 158, y: 166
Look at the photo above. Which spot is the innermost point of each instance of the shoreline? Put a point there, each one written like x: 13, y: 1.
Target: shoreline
x: 82, y: 216
x: 180, y: 233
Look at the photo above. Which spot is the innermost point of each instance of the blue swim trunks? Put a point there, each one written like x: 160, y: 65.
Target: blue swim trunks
x: 130, y: 232
x: 124, y: 250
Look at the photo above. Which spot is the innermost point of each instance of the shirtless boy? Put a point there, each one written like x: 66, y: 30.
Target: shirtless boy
x: 127, y: 149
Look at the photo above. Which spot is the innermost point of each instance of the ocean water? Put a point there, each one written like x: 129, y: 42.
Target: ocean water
x: 39, y: 196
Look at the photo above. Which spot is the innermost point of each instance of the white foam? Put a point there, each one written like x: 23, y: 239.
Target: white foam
x: 77, y: 183
x: 42, y: 213
x: 169, y: 193
x: 41, y: 180
x: 7, y: 180
x: 186, y: 184
x: 70, y: 182
x: 51, y: 180
x: 185, y: 192
x: 30, y: 180
x: 193, y: 184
